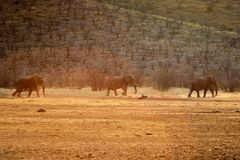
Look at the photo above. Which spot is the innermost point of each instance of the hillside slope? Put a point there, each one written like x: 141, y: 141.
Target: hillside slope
x: 223, y: 15
x: 58, y: 38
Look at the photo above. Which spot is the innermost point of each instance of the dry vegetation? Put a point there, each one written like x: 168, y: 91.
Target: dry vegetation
x: 223, y: 15
x: 80, y: 124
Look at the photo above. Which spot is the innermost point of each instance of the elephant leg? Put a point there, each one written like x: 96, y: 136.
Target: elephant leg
x: 30, y: 92
x: 124, y: 91
x: 205, y: 92
x: 198, y: 94
x: 19, y: 93
x: 108, y: 90
x: 14, y: 93
x: 190, y: 93
x: 37, y: 91
x: 212, y: 91
x: 115, y: 92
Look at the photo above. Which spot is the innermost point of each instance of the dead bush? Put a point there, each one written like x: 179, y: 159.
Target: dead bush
x: 6, y: 79
x: 230, y: 82
x: 97, y: 80
x: 164, y: 79
x: 139, y: 78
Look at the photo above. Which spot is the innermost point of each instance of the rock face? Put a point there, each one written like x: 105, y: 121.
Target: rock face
x: 61, y: 39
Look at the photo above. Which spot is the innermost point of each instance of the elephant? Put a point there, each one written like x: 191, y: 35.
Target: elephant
x: 204, y: 83
x: 114, y: 83
x: 29, y: 83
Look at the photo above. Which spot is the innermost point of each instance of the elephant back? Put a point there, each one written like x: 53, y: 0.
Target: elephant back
x: 23, y: 83
x: 114, y: 82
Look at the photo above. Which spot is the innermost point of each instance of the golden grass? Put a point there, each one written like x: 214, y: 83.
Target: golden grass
x: 148, y: 91
x: 85, y: 97
x: 81, y: 124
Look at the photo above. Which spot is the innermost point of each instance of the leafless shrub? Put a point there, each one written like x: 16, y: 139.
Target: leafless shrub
x: 230, y: 75
x: 97, y: 80
x: 77, y: 78
x: 164, y: 79
x: 211, y: 5
x: 229, y: 81
x: 6, y: 79
x: 139, y: 78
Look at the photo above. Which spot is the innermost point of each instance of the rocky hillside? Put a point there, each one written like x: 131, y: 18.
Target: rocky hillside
x: 223, y: 15
x: 60, y: 39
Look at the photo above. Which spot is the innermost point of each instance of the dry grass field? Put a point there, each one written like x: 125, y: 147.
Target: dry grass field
x: 80, y: 124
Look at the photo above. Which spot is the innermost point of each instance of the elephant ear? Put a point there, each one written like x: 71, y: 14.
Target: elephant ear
x: 211, y: 79
x: 127, y: 79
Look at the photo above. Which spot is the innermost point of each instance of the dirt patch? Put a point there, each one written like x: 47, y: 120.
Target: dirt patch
x: 119, y: 128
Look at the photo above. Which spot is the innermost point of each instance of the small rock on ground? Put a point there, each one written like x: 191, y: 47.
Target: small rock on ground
x: 41, y: 110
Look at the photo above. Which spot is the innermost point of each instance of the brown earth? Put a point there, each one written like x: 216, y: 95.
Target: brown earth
x: 99, y: 127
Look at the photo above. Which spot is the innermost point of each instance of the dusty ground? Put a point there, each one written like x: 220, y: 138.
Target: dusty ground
x: 79, y: 124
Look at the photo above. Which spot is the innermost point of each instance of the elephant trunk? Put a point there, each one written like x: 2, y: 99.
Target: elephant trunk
x: 43, y: 88
x: 135, y: 87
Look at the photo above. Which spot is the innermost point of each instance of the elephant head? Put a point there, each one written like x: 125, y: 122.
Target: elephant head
x: 39, y: 82
x: 213, y: 83
x: 129, y: 80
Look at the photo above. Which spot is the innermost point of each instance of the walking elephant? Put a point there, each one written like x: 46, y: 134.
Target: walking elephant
x: 114, y: 83
x: 29, y: 83
x: 204, y: 83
